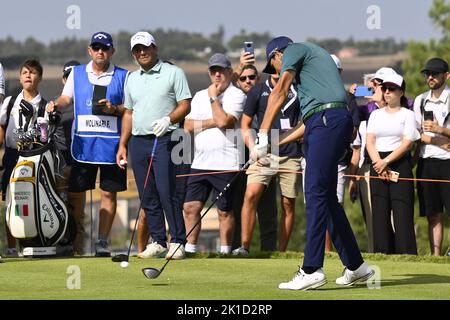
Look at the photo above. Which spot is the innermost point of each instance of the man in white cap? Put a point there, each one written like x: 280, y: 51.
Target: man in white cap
x: 157, y: 98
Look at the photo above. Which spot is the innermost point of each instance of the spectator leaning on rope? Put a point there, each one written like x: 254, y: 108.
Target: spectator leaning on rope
x: 267, y: 206
x: 96, y: 133
x: 391, y: 132
x: 434, y: 160
x: 157, y: 98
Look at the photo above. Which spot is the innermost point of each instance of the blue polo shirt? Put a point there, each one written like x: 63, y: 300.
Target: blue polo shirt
x: 317, y: 77
x: 256, y: 105
x: 154, y: 94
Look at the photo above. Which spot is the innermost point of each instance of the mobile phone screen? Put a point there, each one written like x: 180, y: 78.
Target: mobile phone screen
x: 363, y: 92
x: 99, y: 94
x: 428, y: 115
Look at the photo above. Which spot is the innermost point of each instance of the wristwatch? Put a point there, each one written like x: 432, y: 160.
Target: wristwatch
x: 212, y: 99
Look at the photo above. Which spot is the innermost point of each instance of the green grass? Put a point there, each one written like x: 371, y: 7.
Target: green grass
x: 209, y: 277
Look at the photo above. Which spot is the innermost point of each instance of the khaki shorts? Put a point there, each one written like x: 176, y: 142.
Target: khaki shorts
x: 288, y: 180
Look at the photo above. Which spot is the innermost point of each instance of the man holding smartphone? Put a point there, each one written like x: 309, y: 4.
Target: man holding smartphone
x: 432, y: 111
x: 95, y: 137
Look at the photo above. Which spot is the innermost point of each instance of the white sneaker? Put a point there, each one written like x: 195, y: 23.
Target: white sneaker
x: 241, y: 251
x: 303, y: 281
x: 153, y: 250
x: 363, y: 273
x: 179, y: 254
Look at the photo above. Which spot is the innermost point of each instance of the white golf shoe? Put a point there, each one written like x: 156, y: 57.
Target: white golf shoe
x: 178, y: 255
x: 153, y: 250
x: 363, y: 273
x: 303, y: 281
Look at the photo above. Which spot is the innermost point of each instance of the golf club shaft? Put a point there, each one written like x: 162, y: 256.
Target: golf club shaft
x: 244, y: 167
x: 142, y: 195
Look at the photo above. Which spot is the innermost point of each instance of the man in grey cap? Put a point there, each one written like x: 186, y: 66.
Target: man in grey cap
x: 214, y: 119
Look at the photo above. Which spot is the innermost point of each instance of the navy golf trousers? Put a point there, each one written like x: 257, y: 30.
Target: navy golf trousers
x: 327, y: 135
x: 160, y: 195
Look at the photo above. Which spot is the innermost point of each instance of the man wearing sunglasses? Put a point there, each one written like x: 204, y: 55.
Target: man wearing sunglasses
x: 432, y: 111
x: 287, y: 160
x: 96, y: 133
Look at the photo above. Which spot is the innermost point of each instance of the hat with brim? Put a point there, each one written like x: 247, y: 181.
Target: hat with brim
x: 436, y: 65
x: 395, y: 80
x: 276, y: 44
x: 142, y: 37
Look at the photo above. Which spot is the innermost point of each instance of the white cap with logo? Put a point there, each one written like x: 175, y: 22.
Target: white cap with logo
x: 142, y: 37
x: 383, y: 72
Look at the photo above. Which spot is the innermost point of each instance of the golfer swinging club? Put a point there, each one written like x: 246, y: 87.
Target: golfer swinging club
x: 328, y: 128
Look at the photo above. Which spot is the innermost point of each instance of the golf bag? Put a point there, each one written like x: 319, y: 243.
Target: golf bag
x: 36, y: 215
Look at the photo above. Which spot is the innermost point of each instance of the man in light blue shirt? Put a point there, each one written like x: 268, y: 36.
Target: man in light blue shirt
x: 157, y: 98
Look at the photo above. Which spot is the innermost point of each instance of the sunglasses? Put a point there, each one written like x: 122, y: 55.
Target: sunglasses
x: 250, y: 77
x: 427, y: 73
x: 97, y: 47
x: 389, y: 88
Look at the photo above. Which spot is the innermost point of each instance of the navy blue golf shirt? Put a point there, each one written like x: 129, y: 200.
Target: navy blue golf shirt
x: 256, y: 104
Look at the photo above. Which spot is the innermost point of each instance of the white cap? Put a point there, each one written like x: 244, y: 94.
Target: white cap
x: 337, y: 61
x: 143, y: 38
x: 394, y: 79
x: 383, y: 72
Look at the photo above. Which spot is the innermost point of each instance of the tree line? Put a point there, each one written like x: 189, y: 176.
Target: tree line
x: 173, y: 45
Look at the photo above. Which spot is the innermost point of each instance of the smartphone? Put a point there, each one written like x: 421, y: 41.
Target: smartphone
x: 428, y: 115
x: 248, y: 47
x: 393, y: 176
x: 363, y: 92
x: 99, y: 94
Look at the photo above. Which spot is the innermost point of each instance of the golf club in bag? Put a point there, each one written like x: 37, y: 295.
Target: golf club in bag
x: 36, y: 215
x: 126, y: 257
x: 153, y: 273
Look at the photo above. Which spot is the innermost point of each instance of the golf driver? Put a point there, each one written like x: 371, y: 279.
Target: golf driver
x: 125, y: 257
x: 153, y: 273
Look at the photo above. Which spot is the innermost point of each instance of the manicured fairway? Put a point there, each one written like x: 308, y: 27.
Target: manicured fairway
x: 213, y: 278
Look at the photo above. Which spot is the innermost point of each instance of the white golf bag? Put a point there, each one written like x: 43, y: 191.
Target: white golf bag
x: 36, y: 215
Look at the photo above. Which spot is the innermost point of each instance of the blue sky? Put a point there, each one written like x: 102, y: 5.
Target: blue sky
x: 46, y: 20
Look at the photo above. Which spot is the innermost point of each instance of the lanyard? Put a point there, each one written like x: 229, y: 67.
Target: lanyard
x: 290, y: 102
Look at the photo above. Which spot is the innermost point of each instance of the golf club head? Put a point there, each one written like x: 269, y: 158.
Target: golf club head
x: 120, y: 258
x: 151, y: 273
x: 27, y: 109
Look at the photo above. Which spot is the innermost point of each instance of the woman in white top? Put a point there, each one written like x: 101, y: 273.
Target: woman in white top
x: 391, y: 132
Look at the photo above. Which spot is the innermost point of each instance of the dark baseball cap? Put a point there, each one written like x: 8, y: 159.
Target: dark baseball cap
x: 276, y: 44
x: 436, y: 65
x: 219, y: 60
x: 69, y: 66
x: 102, y: 38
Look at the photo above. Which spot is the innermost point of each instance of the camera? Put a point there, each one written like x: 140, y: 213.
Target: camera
x: 428, y: 115
x: 248, y: 47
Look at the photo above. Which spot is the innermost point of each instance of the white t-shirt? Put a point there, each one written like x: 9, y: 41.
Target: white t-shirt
x: 440, y: 108
x: 217, y: 149
x: 360, y: 140
x: 101, y: 80
x: 391, y: 128
x: 10, y: 137
x: 2, y: 80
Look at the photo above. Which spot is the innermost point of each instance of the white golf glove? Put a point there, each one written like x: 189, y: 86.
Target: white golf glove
x: 161, y: 126
x: 261, y: 147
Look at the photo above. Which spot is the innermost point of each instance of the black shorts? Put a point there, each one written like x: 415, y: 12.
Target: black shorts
x: 83, y: 177
x: 199, y: 187
x: 9, y: 161
x: 433, y: 196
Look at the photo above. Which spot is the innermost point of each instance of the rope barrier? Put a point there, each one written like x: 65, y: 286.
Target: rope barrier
x: 357, y: 177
